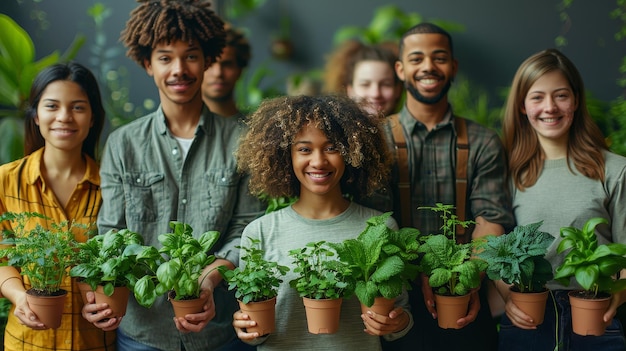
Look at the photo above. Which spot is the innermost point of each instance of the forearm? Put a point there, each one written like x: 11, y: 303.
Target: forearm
x: 211, y: 277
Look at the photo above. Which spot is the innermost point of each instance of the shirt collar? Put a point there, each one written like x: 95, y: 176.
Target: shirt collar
x: 412, y: 124
x: 203, y: 124
x: 33, y: 167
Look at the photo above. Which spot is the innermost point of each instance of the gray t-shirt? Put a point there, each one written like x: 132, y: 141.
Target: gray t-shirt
x: 285, y: 230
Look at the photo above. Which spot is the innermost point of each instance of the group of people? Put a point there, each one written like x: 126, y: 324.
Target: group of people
x: 198, y: 160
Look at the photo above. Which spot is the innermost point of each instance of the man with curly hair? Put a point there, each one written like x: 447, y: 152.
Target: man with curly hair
x: 176, y: 163
x: 218, y: 88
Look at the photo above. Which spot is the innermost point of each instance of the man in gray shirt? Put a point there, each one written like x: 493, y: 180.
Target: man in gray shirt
x: 176, y: 163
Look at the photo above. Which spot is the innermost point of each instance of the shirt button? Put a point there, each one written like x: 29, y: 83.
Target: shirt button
x: 174, y: 152
x: 138, y: 180
x: 223, y: 179
x: 184, y: 201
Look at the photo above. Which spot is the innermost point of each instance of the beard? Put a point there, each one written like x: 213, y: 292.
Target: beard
x: 427, y: 100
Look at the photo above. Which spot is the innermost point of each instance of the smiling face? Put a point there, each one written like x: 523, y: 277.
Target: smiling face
x: 550, y: 105
x: 317, y: 163
x: 177, y: 69
x: 64, y: 116
x: 427, y: 67
x: 374, y: 83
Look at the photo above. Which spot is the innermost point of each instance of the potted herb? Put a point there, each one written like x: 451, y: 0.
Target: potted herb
x: 44, y: 257
x: 451, y: 270
x: 179, y: 273
x: 518, y: 258
x: 381, y: 260
x: 256, y: 284
x: 109, y: 265
x: 322, y: 282
x: 595, y: 268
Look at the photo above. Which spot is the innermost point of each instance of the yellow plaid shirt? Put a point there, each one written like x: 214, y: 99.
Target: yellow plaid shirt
x: 22, y: 189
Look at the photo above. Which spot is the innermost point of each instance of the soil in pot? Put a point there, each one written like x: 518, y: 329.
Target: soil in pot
x: 49, y: 309
x: 322, y: 315
x: 450, y: 309
x: 587, y: 313
x: 185, y: 307
x: 263, y: 313
x: 533, y: 304
x: 117, y: 302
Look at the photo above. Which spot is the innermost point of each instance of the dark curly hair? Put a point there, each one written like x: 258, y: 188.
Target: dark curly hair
x: 156, y: 22
x: 265, y: 151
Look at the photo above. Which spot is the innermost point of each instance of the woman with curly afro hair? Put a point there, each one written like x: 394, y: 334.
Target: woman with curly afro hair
x: 322, y: 150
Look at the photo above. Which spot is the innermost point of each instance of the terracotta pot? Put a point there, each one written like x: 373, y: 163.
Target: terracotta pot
x: 450, y: 309
x: 263, y: 313
x: 587, y: 314
x: 49, y: 309
x: 117, y: 302
x: 83, y: 288
x: 533, y: 304
x: 185, y: 307
x: 381, y: 306
x: 322, y: 316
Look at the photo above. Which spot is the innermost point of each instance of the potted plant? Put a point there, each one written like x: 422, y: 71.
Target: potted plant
x: 44, y: 257
x: 179, y: 273
x: 382, y: 262
x: 595, y: 268
x: 322, y: 281
x: 452, y: 271
x: 110, y: 266
x: 256, y: 284
x: 518, y: 258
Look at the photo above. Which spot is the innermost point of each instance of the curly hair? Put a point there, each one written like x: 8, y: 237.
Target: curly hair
x: 265, y: 150
x: 340, y: 65
x: 237, y: 40
x: 156, y: 22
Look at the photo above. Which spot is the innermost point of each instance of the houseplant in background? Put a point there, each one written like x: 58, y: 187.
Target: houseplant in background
x: 178, y: 274
x: 382, y: 262
x: 18, y: 68
x: 594, y: 267
x: 43, y: 256
x: 518, y: 258
x: 323, y: 282
x: 256, y: 286
x: 452, y: 271
x: 109, y: 264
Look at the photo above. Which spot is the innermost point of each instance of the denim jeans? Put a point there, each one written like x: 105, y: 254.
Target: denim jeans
x: 125, y: 343
x: 512, y: 338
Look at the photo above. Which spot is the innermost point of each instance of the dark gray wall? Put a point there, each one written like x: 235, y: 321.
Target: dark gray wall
x: 498, y: 34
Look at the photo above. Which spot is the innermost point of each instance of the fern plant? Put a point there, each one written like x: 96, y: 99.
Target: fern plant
x: 448, y: 264
x: 381, y: 259
x: 518, y: 257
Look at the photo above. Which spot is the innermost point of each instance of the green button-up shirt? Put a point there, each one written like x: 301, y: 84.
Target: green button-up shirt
x: 146, y: 183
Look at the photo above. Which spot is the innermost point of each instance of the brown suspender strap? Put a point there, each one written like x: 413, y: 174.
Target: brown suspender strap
x: 404, y: 185
x: 462, y: 156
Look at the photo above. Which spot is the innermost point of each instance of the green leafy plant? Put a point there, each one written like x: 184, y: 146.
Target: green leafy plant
x: 43, y: 255
x: 518, y: 257
x: 18, y: 68
x: 258, y: 279
x: 180, y: 272
x: 449, y: 265
x: 593, y: 266
x: 381, y: 259
x: 320, y: 274
x: 111, y: 260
